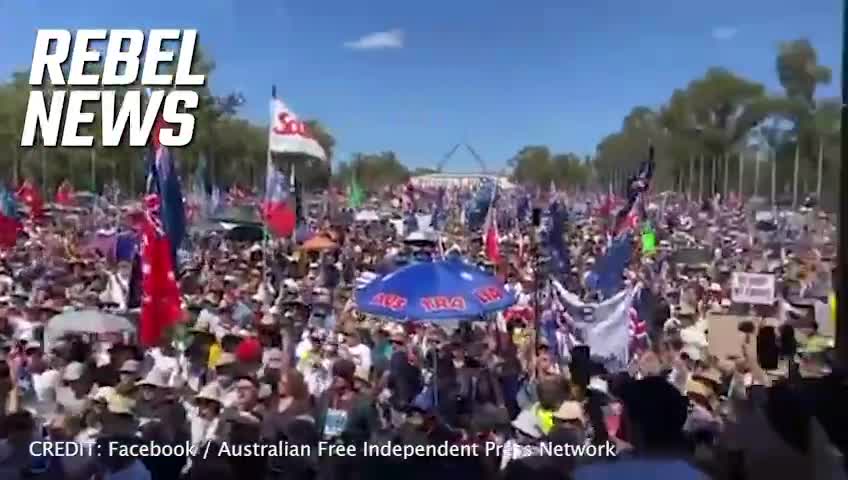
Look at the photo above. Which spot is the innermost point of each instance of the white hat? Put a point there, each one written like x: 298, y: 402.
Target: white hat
x: 73, y: 371
x: 598, y: 384
x: 211, y: 392
x: 154, y: 378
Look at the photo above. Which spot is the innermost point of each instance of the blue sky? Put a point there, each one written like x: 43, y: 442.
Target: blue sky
x: 494, y: 73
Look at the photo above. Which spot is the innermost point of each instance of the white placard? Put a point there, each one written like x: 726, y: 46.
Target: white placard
x: 755, y: 288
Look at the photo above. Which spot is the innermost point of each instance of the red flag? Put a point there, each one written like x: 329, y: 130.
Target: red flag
x: 160, y: 298
x: 65, y: 194
x: 277, y: 210
x: 493, y: 251
x: 9, y: 230
x: 29, y: 196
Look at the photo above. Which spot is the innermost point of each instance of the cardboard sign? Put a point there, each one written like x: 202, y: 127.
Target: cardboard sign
x: 723, y: 336
x: 754, y: 288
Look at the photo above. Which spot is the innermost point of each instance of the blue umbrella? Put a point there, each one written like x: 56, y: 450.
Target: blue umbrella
x: 448, y: 289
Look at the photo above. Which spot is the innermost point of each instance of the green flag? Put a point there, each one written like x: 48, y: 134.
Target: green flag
x: 649, y: 239
x: 355, y: 196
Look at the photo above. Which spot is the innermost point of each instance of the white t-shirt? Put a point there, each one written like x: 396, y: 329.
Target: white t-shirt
x: 361, y: 357
x: 45, y: 385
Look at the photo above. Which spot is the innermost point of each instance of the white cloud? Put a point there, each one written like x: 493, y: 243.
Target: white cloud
x: 378, y: 41
x: 724, y: 33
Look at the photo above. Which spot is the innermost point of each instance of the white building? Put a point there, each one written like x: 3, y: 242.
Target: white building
x: 464, y: 180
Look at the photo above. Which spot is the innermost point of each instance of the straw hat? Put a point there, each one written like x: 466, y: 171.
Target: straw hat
x: 694, y: 387
x: 210, y: 392
x: 711, y: 375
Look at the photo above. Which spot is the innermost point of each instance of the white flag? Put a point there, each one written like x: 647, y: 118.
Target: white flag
x: 288, y: 134
x: 604, y: 327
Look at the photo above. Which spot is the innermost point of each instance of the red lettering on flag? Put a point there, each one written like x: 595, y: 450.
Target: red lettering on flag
x: 442, y: 303
x: 488, y: 295
x: 389, y: 300
x: 287, y: 124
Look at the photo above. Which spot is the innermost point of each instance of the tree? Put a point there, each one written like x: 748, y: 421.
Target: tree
x: 536, y: 166
x: 800, y: 74
x: 373, y: 171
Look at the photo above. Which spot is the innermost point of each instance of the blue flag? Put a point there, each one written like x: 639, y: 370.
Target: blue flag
x: 163, y: 179
x: 8, y: 204
x: 560, y: 258
x: 608, y: 275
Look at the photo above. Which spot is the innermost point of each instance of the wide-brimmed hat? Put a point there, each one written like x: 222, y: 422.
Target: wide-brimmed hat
x: 154, y: 378
x: 73, y: 372
x: 210, y: 392
x: 711, y: 375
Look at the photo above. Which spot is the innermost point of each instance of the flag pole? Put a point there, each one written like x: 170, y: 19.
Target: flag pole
x: 268, y: 163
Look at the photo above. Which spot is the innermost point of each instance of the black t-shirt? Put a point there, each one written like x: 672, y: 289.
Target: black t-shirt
x: 405, y: 379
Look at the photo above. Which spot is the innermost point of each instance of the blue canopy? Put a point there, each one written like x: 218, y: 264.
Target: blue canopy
x: 440, y: 290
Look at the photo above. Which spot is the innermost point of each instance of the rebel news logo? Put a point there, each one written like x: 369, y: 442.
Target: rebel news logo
x: 63, y: 85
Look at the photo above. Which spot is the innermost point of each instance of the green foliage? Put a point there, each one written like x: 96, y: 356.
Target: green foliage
x: 373, y: 171
x: 720, y: 116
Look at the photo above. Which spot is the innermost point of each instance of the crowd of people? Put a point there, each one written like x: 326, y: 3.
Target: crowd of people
x: 274, y: 351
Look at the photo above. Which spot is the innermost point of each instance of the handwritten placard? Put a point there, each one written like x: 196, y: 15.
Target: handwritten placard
x: 753, y: 288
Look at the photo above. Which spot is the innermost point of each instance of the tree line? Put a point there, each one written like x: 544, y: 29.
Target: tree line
x: 721, y: 133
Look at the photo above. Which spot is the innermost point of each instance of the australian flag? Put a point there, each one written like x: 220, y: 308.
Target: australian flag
x: 164, y: 181
x: 560, y: 259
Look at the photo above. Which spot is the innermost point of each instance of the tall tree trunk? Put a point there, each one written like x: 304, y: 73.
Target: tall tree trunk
x: 726, y: 175
x: 93, y: 170
x: 701, y: 180
x: 691, y: 186
x: 713, y: 177
x: 774, y: 179
x: 757, y: 174
x: 795, y: 175
x: 820, y: 171
x: 741, y: 174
